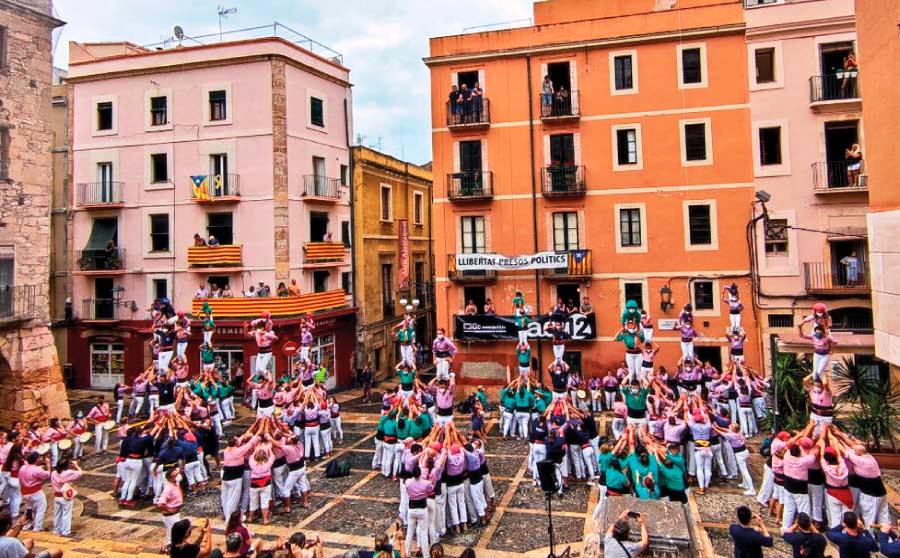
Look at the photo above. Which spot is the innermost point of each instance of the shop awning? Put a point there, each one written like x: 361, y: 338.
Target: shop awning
x: 102, y: 232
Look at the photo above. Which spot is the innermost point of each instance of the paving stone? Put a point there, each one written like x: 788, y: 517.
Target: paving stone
x: 573, y: 499
x: 519, y: 532
x: 93, y: 461
x: 319, y: 483
x: 357, y: 517
x: 504, y: 466
x: 380, y: 487
x: 298, y: 513
x: 506, y: 446
x: 359, y: 460
x: 353, y: 436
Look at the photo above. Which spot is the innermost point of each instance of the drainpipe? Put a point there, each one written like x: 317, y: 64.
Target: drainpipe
x: 351, y: 200
x: 534, y: 218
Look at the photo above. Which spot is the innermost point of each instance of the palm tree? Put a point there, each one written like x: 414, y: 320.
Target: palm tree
x: 787, y: 392
x: 870, y: 405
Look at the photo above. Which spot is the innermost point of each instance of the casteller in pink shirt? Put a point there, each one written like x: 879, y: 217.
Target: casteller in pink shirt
x: 59, y: 479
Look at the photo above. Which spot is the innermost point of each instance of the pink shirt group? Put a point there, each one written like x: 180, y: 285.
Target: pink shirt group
x: 66, y: 477
x: 171, y: 496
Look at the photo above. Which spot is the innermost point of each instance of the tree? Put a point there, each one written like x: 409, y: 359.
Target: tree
x: 787, y: 393
x: 870, y: 407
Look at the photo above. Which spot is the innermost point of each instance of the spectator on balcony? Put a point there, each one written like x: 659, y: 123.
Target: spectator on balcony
x: 454, y: 101
x: 851, y: 267
x: 465, y: 102
x: 251, y: 292
x: 563, y: 102
x: 853, y: 160
x: 547, y: 95
x: 263, y: 291
x: 198, y: 240
x: 489, y: 308
x: 212, y: 242
x: 477, y: 102
x: 294, y: 288
x: 282, y: 290
x: 586, y: 308
x: 215, y: 291
x: 471, y: 308
x: 110, y: 253
x: 202, y: 291
x: 570, y: 306
x: 226, y: 291
x: 327, y: 237
x: 851, y: 69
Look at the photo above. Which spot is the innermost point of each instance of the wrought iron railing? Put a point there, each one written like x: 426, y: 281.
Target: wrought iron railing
x: 471, y: 184
x: 559, y: 105
x: 563, y: 180
x: 17, y: 303
x: 474, y: 112
x: 100, y: 260
x: 100, y: 193
x: 322, y: 186
x: 840, y: 86
x: 99, y: 309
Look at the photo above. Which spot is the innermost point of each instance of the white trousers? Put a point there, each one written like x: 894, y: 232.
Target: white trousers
x: 162, y: 363
x: 835, y: 510
x: 120, y: 406
x: 820, y: 366
x: 456, y: 501
x: 337, y: 430
x: 687, y: 350
x: 260, y: 497
x: 633, y: 361
x: 228, y: 407
x: 816, y: 500
x: 538, y: 454
x: 443, y: 369
x: 590, y: 461
x: 767, y: 489
x: 38, y: 503
x: 262, y: 362
x: 311, y: 441
x: 376, y: 459
x: 297, y: 481
x: 575, y: 455
x: 648, y: 333
x: 14, y: 493
x: 476, y: 490
x: 734, y: 320
x: 181, y: 348
x: 231, y: 497
x: 101, y: 438
x: 418, y: 528
x: 440, y: 504
x: 742, y: 458
x: 704, y: 467
x: 207, y: 337
x: 558, y: 352
x: 509, y: 424
x: 794, y: 504
x: 133, y: 468
x: 610, y: 398
x: 325, y: 437
x: 873, y: 509
x: 279, y: 482
x: 192, y: 472
x: 62, y: 516
x: 406, y: 355
x: 169, y: 521
x: 523, y: 418
x: 748, y: 421
x: 387, y: 459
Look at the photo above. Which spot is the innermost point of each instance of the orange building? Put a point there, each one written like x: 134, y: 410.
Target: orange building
x: 638, y: 165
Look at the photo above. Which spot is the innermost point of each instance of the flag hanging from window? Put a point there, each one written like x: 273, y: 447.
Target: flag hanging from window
x: 200, y: 187
x: 217, y: 183
x: 579, y: 262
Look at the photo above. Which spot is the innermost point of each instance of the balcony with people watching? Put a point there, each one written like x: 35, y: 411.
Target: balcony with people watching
x: 838, y: 83
x: 468, y: 109
x: 286, y: 302
x: 559, y: 100
x: 209, y: 253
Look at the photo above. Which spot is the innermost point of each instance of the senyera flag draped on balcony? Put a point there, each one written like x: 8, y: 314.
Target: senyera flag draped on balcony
x: 578, y: 262
x: 251, y: 307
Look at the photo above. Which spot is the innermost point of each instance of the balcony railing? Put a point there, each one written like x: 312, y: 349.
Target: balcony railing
x: 563, y: 180
x: 579, y: 265
x: 559, y: 107
x: 100, y: 261
x: 251, y: 307
x: 826, y: 278
x: 322, y: 187
x: 324, y: 252
x: 840, y: 86
x: 99, y: 309
x: 217, y: 188
x: 205, y: 257
x: 838, y: 176
x: 17, y: 303
x: 756, y: 3
x: 470, y: 185
x: 100, y: 194
x: 468, y: 275
x: 474, y: 113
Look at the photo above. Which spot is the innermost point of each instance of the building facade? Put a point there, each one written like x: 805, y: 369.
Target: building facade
x: 59, y: 216
x: 634, y: 160
x: 30, y: 376
x: 393, y: 254
x: 806, y: 113
x: 879, y: 54
x: 245, y: 141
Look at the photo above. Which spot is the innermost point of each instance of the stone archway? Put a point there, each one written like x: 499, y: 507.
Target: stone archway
x: 31, y: 384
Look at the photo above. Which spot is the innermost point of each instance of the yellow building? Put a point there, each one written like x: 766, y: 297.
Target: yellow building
x: 392, y: 251
x: 59, y: 212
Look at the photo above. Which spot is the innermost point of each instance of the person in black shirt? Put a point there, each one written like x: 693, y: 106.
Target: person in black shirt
x: 805, y: 541
x: 556, y: 452
x: 749, y: 542
x: 166, y: 385
x: 559, y: 375
x: 182, y: 548
x: 455, y: 106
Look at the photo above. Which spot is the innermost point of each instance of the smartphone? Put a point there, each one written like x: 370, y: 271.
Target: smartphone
x: 634, y: 514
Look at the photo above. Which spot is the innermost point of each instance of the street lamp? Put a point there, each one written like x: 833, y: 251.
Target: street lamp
x: 665, y: 296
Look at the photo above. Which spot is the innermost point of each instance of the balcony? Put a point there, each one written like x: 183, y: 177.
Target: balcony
x: 280, y: 307
x: 100, y: 262
x: 579, y: 267
x: 204, y: 258
x: 472, y: 185
x: 99, y: 310
x: 100, y: 195
x: 824, y: 279
x: 469, y: 275
x: 321, y: 188
x: 329, y: 253
x: 562, y: 181
x: 216, y: 188
x: 471, y: 115
x: 17, y: 303
x: 556, y: 109
x: 841, y: 88
x: 758, y: 3
x: 834, y: 177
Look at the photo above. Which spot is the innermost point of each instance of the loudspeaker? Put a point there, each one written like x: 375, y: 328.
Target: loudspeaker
x: 547, y: 475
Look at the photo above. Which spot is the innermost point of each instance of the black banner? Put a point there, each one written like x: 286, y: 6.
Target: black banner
x: 580, y: 327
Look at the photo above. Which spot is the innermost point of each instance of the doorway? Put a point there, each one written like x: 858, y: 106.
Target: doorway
x: 476, y: 295
x: 318, y: 164
x: 711, y: 354
x: 469, y: 79
x: 318, y: 226
x: 104, y: 305
x: 839, y: 136
x: 573, y: 359
x: 840, y: 273
x: 559, y: 75
x: 569, y: 292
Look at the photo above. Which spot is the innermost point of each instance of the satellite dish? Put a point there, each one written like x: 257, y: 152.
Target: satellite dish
x: 179, y: 32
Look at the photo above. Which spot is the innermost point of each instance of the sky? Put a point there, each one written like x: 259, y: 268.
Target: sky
x: 382, y: 41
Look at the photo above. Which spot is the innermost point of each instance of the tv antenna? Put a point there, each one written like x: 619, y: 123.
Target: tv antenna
x: 224, y: 13
x: 179, y: 34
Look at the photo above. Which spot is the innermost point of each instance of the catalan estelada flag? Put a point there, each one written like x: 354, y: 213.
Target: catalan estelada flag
x: 579, y: 262
x: 201, y: 186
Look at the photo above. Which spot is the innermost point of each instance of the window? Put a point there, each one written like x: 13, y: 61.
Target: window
x: 104, y: 173
x: 318, y: 226
x: 630, y: 227
x: 3, y: 47
x: 159, y: 167
x: 107, y: 364
x: 345, y: 233
x: 777, y: 237
x: 386, y: 210
x: 218, y: 164
x: 4, y: 153
x: 159, y: 232
x: 218, y: 168
x: 160, y: 289
x: 704, y: 295
x: 217, y: 281
x: 562, y: 150
x: 695, y: 142
x: 218, y: 105
x: 317, y: 111
x: 418, y: 208
x: 699, y: 224
x: 781, y: 320
x: 635, y: 292
x: 387, y: 289
x: 770, y: 146
x: 565, y: 231
x: 626, y: 147
x: 220, y: 225
x: 345, y: 172
x: 320, y: 281
x: 765, y: 64
x: 473, y: 236
x: 691, y: 66
x: 346, y: 283
x: 105, y: 116
x: 159, y: 111
x: 623, y: 72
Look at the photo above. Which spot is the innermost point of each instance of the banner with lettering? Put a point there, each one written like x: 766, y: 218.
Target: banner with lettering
x: 580, y: 327
x: 403, y: 253
x: 498, y: 262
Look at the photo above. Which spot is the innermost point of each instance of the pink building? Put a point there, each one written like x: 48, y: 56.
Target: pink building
x: 806, y: 108
x: 245, y: 141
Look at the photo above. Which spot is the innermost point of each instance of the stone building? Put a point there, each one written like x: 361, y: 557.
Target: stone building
x: 30, y: 381
x: 393, y: 252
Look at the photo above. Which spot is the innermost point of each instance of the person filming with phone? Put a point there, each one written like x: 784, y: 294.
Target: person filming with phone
x: 616, y: 543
